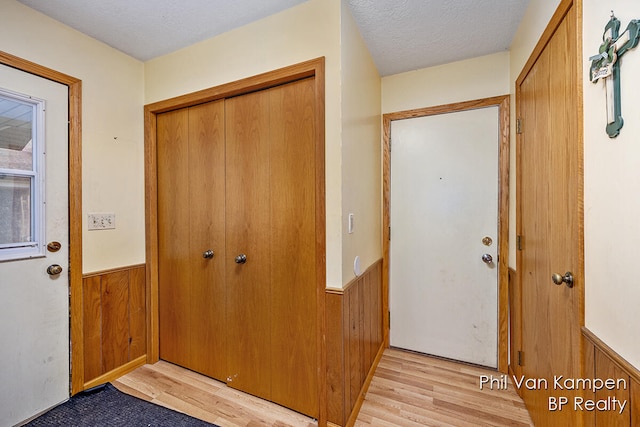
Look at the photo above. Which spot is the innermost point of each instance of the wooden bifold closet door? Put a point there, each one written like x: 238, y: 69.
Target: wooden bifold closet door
x: 192, y: 289
x: 237, y: 177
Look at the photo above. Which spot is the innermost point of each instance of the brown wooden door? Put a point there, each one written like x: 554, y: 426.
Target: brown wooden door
x: 270, y: 204
x: 237, y: 176
x: 293, y: 247
x: 550, y: 223
x: 191, y: 176
x: 248, y: 221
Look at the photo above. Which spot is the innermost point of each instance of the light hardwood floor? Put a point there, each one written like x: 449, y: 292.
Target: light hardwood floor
x: 407, y: 390
x: 410, y: 389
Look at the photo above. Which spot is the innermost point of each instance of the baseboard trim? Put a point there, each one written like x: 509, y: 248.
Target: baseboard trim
x: 113, y: 270
x: 116, y: 373
x: 352, y: 282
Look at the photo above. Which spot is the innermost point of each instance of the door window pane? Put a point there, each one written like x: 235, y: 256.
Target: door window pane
x: 15, y: 210
x: 22, y: 215
x: 16, y: 134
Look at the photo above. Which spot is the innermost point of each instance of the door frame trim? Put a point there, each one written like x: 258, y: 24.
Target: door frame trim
x: 312, y: 68
x: 75, y: 205
x: 503, y: 104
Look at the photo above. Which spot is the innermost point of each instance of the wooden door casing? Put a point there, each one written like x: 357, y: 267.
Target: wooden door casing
x: 549, y: 213
x: 238, y: 176
x: 503, y: 218
x: 313, y: 69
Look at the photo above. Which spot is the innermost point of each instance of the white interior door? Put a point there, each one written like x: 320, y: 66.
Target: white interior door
x: 34, y: 305
x: 443, y: 297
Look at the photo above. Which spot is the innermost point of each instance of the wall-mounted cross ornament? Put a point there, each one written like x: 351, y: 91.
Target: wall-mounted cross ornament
x: 606, y: 65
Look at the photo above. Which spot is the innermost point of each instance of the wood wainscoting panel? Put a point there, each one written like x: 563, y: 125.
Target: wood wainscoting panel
x: 114, y: 321
x: 92, y: 324
x: 335, y: 357
x: 137, y: 313
x: 605, y: 370
x: 602, y: 362
x: 354, y: 342
x: 635, y: 403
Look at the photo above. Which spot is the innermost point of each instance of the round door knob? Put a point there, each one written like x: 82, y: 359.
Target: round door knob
x: 207, y: 254
x: 487, y: 259
x: 241, y: 259
x: 566, y: 279
x: 54, y: 270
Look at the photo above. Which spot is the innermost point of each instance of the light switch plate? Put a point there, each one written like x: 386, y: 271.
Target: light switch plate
x: 102, y: 221
x: 350, y: 225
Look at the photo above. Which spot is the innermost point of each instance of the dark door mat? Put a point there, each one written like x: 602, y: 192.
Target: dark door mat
x: 106, y: 406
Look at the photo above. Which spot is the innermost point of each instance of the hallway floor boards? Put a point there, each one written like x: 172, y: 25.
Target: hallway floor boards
x: 411, y: 389
x: 407, y: 390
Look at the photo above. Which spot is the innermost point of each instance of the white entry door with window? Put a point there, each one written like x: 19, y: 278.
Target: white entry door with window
x: 34, y: 245
x: 443, y: 288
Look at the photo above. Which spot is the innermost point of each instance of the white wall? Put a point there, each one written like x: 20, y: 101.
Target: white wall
x: 476, y: 78
x: 361, y: 153
x: 112, y: 106
x: 611, y: 191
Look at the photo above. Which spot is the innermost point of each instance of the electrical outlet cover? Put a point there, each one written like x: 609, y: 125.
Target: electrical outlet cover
x: 102, y: 221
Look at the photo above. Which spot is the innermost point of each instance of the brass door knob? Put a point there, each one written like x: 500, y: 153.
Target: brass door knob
x: 54, y: 270
x: 566, y: 279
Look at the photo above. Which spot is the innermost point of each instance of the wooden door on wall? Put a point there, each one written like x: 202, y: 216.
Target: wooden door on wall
x: 248, y: 221
x: 550, y: 220
x: 255, y: 300
x: 192, y: 297
x: 270, y: 203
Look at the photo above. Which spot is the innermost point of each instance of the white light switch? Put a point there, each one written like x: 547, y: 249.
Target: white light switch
x: 350, y: 225
x: 102, y: 221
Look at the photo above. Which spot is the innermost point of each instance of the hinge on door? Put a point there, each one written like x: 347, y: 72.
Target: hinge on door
x: 518, y: 125
x: 519, y: 242
x: 389, y: 319
x: 520, y: 358
x: 389, y: 232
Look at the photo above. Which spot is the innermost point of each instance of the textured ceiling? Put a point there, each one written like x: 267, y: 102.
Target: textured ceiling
x: 402, y: 35
x: 405, y: 35
x: 146, y: 29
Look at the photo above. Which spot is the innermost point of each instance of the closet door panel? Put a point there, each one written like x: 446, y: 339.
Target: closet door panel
x: 207, y: 232
x: 293, y: 257
x: 173, y: 235
x: 248, y: 222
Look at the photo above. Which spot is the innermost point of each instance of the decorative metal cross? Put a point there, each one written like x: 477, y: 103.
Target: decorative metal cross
x: 606, y: 65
